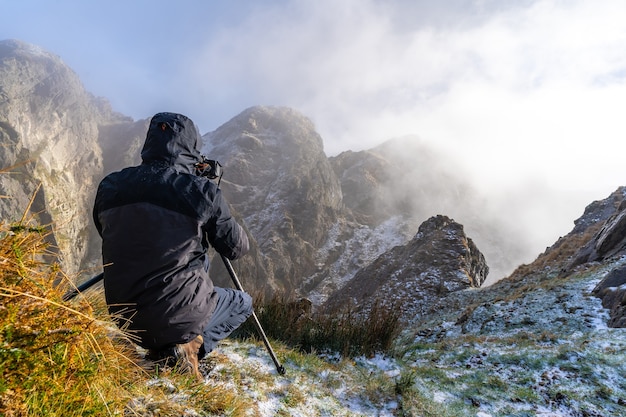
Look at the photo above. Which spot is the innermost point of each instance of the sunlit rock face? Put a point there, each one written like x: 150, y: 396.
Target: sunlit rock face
x: 50, y: 152
x: 440, y: 259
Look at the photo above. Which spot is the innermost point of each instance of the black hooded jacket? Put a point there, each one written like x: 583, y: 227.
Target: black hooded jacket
x: 156, y: 221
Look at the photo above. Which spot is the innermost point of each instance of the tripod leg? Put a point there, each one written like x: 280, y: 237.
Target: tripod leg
x: 73, y: 293
x: 231, y: 272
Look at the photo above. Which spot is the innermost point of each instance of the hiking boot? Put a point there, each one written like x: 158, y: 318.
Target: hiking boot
x: 187, y: 357
x: 183, y: 357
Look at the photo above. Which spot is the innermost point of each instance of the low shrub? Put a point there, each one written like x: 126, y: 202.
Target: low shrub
x: 345, y: 332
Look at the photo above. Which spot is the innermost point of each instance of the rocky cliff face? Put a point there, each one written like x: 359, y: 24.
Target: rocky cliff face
x: 440, y: 259
x: 50, y: 153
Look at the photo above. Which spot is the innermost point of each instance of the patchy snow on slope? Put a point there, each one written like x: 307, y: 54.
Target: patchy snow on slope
x: 363, y: 247
x: 545, y: 350
x: 535, y: 349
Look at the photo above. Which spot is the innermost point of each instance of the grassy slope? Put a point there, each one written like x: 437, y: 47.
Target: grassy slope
x: 534, y: 346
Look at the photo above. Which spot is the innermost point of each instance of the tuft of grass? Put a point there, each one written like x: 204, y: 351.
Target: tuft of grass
x: 52, y: 354
x: 67, y: 358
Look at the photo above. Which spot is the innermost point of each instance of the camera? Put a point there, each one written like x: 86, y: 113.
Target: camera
x: 209, y: 168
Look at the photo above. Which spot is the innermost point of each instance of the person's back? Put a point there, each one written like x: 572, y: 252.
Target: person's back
x: 156, y: 221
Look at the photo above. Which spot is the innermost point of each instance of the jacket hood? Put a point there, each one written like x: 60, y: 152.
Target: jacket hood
x: 174, y: 139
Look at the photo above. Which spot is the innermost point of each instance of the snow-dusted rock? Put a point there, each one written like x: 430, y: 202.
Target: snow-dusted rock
x: 440, y: 259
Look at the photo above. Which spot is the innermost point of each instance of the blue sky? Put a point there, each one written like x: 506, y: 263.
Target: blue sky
x: 528, y: 95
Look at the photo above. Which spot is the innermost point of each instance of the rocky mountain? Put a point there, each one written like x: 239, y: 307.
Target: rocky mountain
x: 316, y: 223
x: 278, y: 179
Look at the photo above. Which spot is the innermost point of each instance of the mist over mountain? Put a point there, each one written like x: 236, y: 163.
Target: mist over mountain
x: 318, y: 225
x: 398, y: 224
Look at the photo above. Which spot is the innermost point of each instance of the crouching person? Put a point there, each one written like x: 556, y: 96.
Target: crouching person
x: 157, y: 221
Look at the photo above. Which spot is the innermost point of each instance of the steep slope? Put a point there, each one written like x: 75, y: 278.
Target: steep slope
x: 50, y: 132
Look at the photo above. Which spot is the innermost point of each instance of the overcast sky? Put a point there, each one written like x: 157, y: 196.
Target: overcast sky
x: 528, y: 95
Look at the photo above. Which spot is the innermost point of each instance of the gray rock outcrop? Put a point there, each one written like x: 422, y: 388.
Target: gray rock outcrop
x: 439, y: 260
x: 612, y: 291
x: 610, y: 240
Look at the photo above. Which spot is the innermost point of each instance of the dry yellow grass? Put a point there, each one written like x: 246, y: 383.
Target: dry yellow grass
x: 67, y: 358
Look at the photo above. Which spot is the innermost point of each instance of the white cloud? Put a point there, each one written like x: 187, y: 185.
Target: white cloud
x: 525, y: 94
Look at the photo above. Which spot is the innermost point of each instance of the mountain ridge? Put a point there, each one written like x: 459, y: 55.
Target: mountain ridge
x: 315, y: 222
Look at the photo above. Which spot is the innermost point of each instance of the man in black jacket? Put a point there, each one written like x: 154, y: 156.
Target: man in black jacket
x: 156, y: 221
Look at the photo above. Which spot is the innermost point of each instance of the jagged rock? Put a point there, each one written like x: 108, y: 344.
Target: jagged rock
x: 440, y: 259
x: 612, y: 291
x: 610, y: 240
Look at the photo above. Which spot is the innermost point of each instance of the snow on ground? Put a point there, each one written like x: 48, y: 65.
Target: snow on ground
x: 543, y: 351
